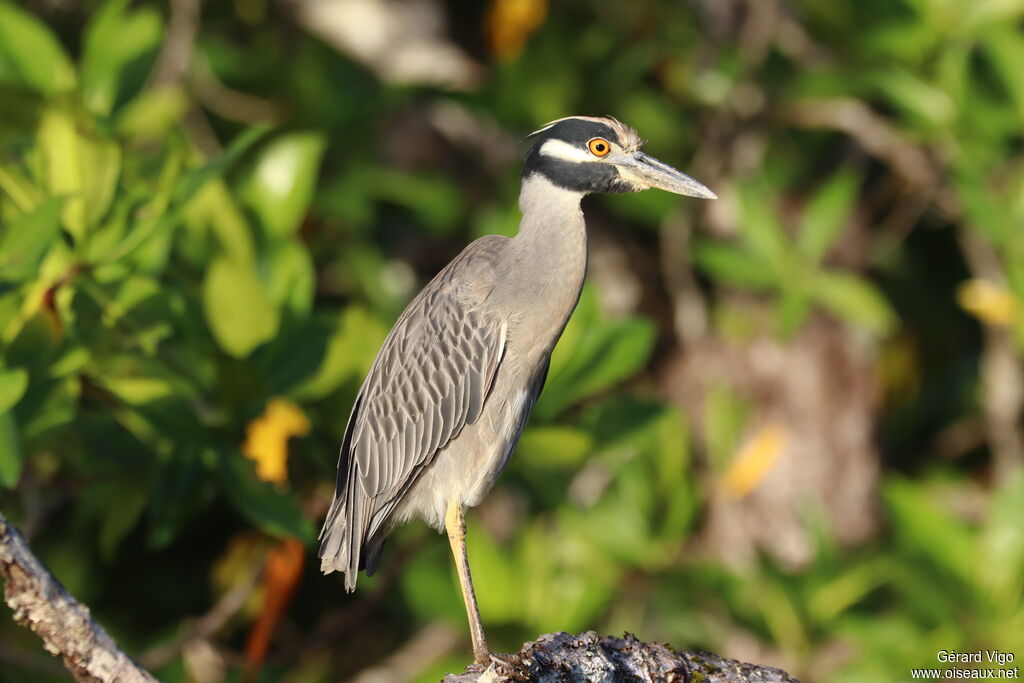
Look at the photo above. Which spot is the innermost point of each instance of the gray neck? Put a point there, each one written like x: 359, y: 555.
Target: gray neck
x: 550, y: 250
x: 546, y: 208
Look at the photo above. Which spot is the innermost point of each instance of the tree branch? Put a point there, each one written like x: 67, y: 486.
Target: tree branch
x: 589, y: 656
x: 90, y: 654
x: 65, y: 625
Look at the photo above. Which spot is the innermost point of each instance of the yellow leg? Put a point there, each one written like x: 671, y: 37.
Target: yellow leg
x: 455, y: 524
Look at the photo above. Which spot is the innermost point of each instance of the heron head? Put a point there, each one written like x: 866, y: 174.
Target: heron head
x: 600, y: 154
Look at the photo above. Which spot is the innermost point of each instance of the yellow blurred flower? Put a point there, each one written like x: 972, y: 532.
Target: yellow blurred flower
x: 987, y: 301
x: 510, y: 23
x: 266, y: 438
x: 753, y: 462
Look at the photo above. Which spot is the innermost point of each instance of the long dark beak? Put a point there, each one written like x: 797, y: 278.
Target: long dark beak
x: 654, y: 173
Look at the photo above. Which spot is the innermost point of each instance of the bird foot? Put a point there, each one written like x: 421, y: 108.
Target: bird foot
x: 499, y: 659
x: 487, y: 658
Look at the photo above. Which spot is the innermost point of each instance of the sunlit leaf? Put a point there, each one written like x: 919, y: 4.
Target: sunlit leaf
x: 350, y: 351
x: 291, y: 280
x: 926, y: 102
x: 281, y: 183
x: 193, y: 181
x: 853, y: 300
x: 603, y: 354
x: 38, y: 56
x: 83, y: 167
x: 113, y: 40
x: 12, y: 387
x: 495, y: 576
x: 552, y: 446
x: 152, y: 114
x: 16, y: 184
x: 240, y: 314
x: 214, y: 209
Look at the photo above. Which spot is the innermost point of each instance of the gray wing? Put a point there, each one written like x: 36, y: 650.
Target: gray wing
x: 430, y: 379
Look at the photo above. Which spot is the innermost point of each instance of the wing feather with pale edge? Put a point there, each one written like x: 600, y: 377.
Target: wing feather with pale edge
x: 431, y: 377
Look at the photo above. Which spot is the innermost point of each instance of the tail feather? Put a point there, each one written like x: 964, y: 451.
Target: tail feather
x: 344, y: 534
x: 344, y: 528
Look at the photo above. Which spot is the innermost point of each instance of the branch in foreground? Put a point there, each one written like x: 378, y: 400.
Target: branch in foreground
x: 65, y: 625
x: 562, y: 657
x: 90, y: 654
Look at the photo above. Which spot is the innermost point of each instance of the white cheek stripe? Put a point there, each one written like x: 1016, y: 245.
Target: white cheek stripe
x: 560, y: 149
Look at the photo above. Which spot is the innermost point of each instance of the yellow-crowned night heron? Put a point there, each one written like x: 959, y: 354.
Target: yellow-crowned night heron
x: 451, y: 388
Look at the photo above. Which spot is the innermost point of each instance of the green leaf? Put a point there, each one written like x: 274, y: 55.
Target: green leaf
x: 18, y: 187
x: 726, y: 416
x: 497, y: 577
x: 193, y: 181
x: 240, y: 314
x: 282, y: 181
x: 269, y: 508
x: 10, y: 451
x: 554, y: 446
x: 434, y: 200
x: 1005, y: 49
x: 175, y: 485
x: 34, y: 51
x: 593, y: 357
x: 131, y: 502
x: 825, y: 215
x: 923, y: 100
x: 926, y: 526
x: 84, y: 167
x: 291, y: 281
x: 152, y: 114
x: 793, y: 307
x: 734, y: 265
x: 47, y: 405
x: 12, y: 387
x: 427, y: 584
x: 854, y: 300
x: 760, y: 228
x: 350, y: 352
x: 27, y: 238
x: 113, y: 41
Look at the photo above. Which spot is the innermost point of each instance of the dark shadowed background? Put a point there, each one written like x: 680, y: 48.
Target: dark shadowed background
x: 784, y: 426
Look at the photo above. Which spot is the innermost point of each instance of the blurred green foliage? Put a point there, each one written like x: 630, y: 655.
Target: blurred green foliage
x: 170, y: 263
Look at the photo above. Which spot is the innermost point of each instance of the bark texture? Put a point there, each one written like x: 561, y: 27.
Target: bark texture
x: 593, y: 658
x: 40, y: 603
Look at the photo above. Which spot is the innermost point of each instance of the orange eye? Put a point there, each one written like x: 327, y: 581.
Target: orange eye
x: 599, y: 147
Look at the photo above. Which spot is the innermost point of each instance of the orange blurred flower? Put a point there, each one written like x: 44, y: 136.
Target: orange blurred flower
x: 510, y: 23
x: 281, y: 575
